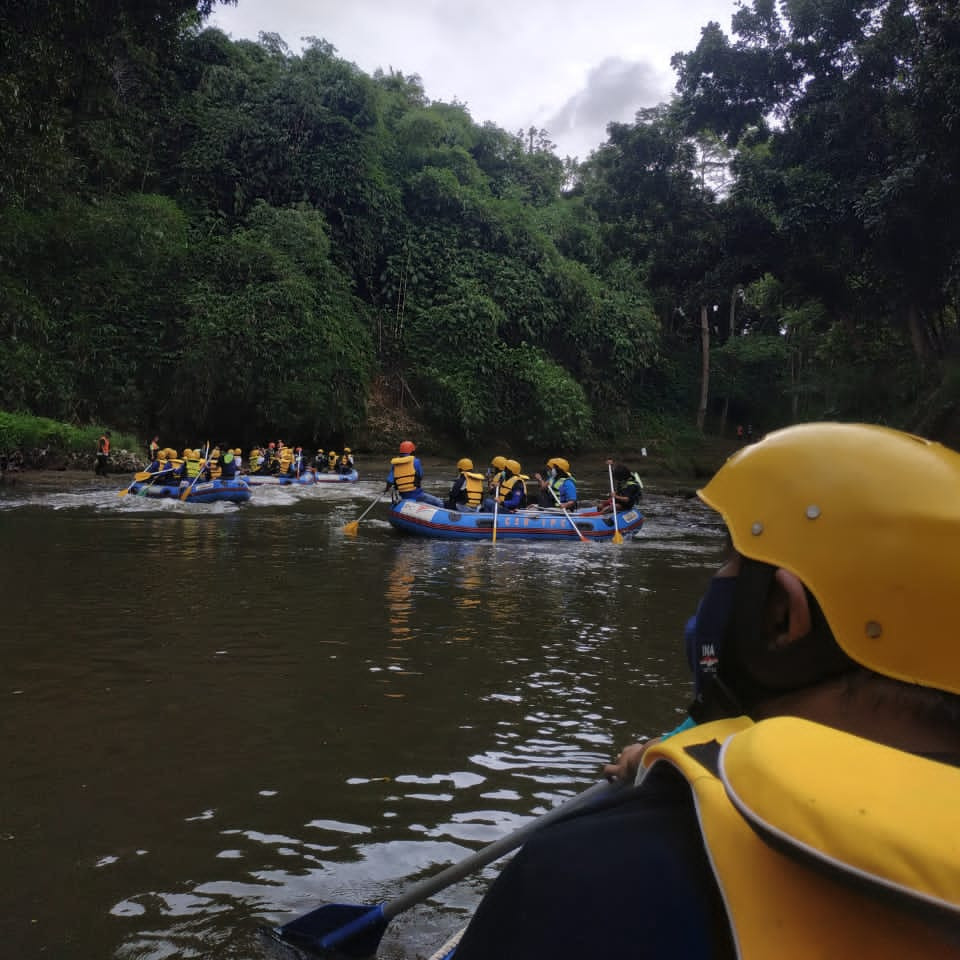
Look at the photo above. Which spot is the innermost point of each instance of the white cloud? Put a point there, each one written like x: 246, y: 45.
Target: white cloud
x: 570, y: 67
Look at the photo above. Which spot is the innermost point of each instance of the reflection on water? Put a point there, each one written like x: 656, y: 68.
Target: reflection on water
x: 216, y: 718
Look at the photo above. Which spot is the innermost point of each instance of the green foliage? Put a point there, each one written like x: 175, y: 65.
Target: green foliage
x: 202, y: 234
x: 24, y: 432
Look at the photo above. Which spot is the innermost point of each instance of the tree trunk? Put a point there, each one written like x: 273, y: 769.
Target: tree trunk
x: 705, y: 367
x: 732, y: 319
x: 918, y: 336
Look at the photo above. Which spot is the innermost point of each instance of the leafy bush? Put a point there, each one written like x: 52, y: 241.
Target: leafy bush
x: 20, y: 431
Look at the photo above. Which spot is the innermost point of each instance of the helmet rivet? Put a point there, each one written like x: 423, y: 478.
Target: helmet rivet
x: 757, y: 528
x: 873, y: 629
x: 813, y: 511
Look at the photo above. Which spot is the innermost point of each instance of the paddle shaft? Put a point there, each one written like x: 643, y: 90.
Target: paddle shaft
x: 613, y: 503
x: 355, y: 930
x: 493, y: 851
x: 372, y: 505
x: 496, y: 504
x: 206, y: 453
x: 567, y: 515
x: 140, y: 477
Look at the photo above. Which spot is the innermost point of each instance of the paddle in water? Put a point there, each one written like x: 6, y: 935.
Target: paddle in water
x: 352, y: 527
x: 617, y: 536
x: 355, y: 930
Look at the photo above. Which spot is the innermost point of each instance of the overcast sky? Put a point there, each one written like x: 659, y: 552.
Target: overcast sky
x: 569, y: 67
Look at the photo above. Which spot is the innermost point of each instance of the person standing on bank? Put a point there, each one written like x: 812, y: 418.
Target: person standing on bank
x: 406, y: 476
x: 810, y: 810
x: 103, y: 454
x: 153, y: 449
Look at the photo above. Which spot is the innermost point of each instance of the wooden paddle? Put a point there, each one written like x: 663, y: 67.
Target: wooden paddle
x: 617, y: 536
x: 352, y: 527
x: 355, y: 930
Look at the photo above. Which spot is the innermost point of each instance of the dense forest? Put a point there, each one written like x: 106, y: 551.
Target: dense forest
x: 200, y: 234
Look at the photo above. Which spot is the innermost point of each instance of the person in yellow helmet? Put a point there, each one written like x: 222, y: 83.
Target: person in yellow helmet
x: 466, y: 491
x: 558, y: 488
x: 810, y: 809
x: 495, y: 473
x: 345, y: 463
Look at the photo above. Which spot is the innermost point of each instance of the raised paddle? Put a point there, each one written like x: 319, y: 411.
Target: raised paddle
x: 567, y: 515
x: 138, y: 477
x: 351, y: 527
x: 355, y: 930
x: 617, y: 536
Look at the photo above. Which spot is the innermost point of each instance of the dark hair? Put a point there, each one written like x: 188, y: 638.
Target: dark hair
x: 924, y: 703
x: 751, y: 667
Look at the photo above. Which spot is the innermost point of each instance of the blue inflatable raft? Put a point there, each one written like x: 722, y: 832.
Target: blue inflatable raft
x: 422, y: 519
x: 208, y: 491
x: 309, y: 477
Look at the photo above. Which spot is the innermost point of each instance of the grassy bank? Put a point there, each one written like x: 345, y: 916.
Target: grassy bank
x: 31, y: 436
x: 673, y: 446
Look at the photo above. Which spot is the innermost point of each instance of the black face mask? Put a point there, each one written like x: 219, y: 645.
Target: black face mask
x: 751, y: 667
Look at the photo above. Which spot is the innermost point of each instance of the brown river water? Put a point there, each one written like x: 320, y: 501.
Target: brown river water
x: 216, y: 717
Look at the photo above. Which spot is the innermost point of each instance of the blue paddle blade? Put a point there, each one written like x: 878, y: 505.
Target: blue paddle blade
x: 336, y: 929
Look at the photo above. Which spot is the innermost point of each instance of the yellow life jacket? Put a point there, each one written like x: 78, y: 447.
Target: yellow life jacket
x: 404, y: 476
x: 861, y: 856
x: 507, y: 485
x: 473, y: 483
x: 193, y: 467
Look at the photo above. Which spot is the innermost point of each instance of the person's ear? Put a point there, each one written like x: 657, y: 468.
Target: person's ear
x: 798, y: 608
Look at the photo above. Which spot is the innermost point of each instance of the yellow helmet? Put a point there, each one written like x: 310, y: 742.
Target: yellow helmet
x: 464, y: 463
x: 560, y: 464
x: 188, y: 454
x: 869, y: 519
x: 347, y: 450
x: 498, y: 463
x: 237, y: 452
x: 514, y: 467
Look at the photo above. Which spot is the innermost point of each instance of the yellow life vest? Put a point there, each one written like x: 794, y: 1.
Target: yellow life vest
x: 862, y: 851
x: 473, y: 484
x: 507, y: 485
x: 193, y: 466
x: 404, y: 476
